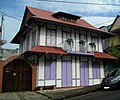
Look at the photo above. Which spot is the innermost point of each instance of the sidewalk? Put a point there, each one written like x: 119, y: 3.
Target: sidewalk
x: 67, y: 93
x: 58, y: 94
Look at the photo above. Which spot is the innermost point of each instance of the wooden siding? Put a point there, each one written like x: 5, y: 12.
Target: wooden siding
x: 76, y: 71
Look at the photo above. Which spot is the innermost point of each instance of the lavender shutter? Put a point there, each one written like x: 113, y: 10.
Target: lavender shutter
x: 96, y: 70
x: 84, y: 77
x: 86, y: 73
x: 64, y: 74
x: 53, y: 70
x: 48, y: 69
x: 69, y: 73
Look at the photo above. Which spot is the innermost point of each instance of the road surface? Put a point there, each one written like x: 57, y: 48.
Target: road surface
x: 100, y: 95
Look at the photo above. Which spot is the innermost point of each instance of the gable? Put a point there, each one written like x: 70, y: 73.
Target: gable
x: 116, y: 25
x: 26, y: 16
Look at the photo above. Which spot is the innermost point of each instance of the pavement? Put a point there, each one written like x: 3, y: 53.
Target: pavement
x: 57, y: 94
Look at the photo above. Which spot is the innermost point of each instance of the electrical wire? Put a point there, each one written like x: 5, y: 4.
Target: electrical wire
x: 10, y: 16
x: 82, y: 3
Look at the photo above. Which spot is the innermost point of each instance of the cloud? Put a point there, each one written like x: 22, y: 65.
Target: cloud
x: 90, y: 10
x: 94, y: 14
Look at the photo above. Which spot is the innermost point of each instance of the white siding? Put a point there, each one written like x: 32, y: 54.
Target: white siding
x: 102, y: 74
x: 73, y: 67
x: 90, y: 68
x: 58, y: 83
x: 100, y: 45
x: 58, y: 67
x: 59, y: 36
x: 43, y: 35
x: 78, y: 67
x: 49, y: 82
x: 41, y: 68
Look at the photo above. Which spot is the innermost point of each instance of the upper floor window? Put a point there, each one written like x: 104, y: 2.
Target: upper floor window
x: 51, y: 37
x: 95, y: 40
x: 83, y: 37
x: 33, y: 38
x: 66, y: 35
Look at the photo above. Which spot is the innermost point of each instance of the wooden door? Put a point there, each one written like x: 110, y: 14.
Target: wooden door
x: 17, y: 76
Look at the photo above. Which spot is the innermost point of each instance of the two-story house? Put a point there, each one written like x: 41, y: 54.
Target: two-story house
x: 66, y: 50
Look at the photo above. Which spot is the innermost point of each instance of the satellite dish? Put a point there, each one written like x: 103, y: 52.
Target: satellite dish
x: 2, y: 42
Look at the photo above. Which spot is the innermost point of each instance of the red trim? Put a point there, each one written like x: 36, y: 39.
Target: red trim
x: 103, y: 55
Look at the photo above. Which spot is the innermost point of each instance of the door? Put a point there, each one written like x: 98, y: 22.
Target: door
x: 17, y: 76
x: 84, y: 77
x: 66, y: 74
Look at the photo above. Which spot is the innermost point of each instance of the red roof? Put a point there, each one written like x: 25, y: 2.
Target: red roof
x: 103, y: 55
x: 47, y: 15
x: 46, y: 49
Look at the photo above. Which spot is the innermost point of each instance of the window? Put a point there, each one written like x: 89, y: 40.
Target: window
x: 50, y: 70
x: 33, y: 38
x: 83, y: 37
x: 51, y: 38
x: 95, y: 40
x: 66, y: 35
x: 67, y: 47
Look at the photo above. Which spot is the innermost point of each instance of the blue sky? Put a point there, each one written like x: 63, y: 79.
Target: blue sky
x: 94, y: 14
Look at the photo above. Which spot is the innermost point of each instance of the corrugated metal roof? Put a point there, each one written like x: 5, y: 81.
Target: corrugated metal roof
x: 46, y: 49
x: 47, y: 15
x: 103, y: 55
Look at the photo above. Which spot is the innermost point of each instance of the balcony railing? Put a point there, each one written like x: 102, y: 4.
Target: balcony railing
x: 78, y: 48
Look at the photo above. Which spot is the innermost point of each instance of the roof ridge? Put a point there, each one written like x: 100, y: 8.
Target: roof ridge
x: 30, y: 9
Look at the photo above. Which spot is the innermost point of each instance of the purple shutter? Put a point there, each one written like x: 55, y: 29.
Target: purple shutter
x: 64, y: 74
x: 48, y: 69
x: 96, y: 70
x: 53, y: 70
x: 69, y: 73
x: 84, y: 77
x: 86, y: 73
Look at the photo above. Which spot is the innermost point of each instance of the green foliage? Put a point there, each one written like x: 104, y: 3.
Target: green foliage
x: 114, y: 51
x: 70, y: 41
x: 82, y: 42
x: 92, y: 45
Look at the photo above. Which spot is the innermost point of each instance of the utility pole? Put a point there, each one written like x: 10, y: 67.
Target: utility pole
x: 2, y: 42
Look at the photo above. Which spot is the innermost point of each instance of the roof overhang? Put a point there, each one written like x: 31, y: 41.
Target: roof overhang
x: 46, y: 50
x: 102, y: 55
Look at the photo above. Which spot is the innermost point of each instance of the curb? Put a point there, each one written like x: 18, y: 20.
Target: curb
x: 72, y: 93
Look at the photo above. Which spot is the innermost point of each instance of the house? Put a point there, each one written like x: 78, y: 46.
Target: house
x: 57, y: 49
x: 6, y: 53
x: 113, y: 41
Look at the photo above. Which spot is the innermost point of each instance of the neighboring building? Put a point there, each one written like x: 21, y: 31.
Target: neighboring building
x: 6, y: 53
x: 105, y: 42
x: 115, y: 28
x: 58, y: 45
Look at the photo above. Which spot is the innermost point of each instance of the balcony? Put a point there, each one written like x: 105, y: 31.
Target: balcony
x: 77, y: 48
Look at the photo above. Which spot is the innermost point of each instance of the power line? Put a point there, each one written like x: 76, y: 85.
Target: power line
x: 84, y: 3
x: 103, y: 22
x: 10, y: 16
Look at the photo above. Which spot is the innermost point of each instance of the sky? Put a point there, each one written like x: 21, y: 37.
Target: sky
x: 97, y: 15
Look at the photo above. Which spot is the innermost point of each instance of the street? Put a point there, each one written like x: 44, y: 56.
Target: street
x: 100, y: 95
